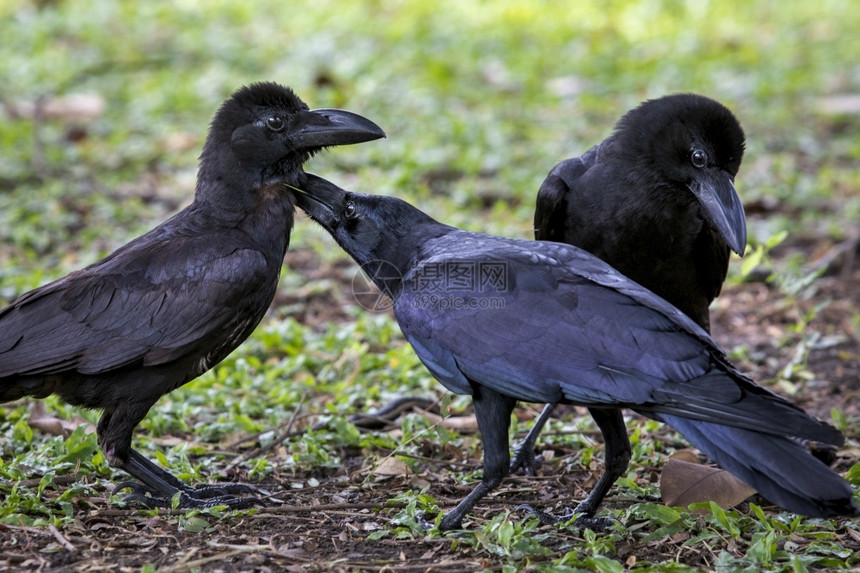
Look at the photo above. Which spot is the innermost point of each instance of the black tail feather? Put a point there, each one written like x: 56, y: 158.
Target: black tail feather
x: 781, y: 469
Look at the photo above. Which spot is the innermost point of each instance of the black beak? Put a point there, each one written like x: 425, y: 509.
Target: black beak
x: 319, y: 198
x: 323, y: 127
x: 716, y: 192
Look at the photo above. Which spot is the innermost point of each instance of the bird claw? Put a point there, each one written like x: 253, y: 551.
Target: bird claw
x: 596, y: 523
x: 525, y: 458
x: 583, y: 521
x: 221, y: 490
x: 444, y: 524
x: 135, y: 487
x: 544, y: 517
x: 188, y: 502
x: 194, y: 497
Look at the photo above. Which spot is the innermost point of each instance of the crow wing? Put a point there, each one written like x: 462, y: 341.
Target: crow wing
x: 153, y: 301
x: 568, y: 327
x: 560, y: 193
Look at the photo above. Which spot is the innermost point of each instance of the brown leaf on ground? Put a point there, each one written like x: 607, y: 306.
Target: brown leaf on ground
x: 391, y: 466
x: 50, y: 424
x: 684, y: 482
x: 460, y: 423
x: 686, y: 456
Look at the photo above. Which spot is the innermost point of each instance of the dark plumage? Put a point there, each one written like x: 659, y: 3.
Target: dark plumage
x: 545, y: 321
x: 656, y: 200
x: 169, y: 305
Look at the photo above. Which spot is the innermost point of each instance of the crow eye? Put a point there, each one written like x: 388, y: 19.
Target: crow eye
x: 349, y: 210
x: 698, y: 158
x: 276, y: 124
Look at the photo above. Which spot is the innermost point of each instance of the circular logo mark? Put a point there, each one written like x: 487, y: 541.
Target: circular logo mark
x: 371, y: 285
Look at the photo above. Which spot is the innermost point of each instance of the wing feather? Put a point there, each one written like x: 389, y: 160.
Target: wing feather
x: 108, y: 315
x: 571, y: 328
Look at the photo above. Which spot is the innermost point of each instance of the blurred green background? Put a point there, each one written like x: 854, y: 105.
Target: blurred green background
x: 104, y: 106
x: 479, y: 100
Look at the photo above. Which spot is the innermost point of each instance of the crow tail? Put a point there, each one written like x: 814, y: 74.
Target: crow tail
x: 781, y: 469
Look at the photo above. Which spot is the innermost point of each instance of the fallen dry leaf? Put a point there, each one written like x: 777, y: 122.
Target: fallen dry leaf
x: 391, y: 466
x: 686, y: 456
x: 459, y: 423
x: 683, y: 482
x: 50, y: 424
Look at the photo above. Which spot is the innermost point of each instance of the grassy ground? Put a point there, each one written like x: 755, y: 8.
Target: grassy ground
x: 105, y: 105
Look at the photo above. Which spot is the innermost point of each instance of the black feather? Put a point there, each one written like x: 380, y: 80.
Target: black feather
x: 169, y: 305
x: 561, y: 325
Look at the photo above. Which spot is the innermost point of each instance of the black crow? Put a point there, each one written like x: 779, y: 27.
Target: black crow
x: 168, y: 306
x: 506, y: 320
x: 656, y: 200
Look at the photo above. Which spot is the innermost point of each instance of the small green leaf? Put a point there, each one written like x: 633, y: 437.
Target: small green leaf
x: 853, y: 475
x: 839, y: 419
x: 505, y: 533
x: 661, y: 513
x: 751, y: 261
x: 604, y: 564
x: 722, y: 518
x: 775, y: 239
x: 195, y: 525
x: 379, y: 534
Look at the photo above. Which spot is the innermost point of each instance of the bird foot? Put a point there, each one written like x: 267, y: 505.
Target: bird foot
x: 450, y: 522
x: 525, y: 458
x: 583, y: 521
x: 195, y: 497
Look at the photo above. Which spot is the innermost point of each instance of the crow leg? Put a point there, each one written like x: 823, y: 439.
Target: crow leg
x: 524, y: 455
x: 157, y: 486
x: 493, y: 412
x: 617, y: 456
x: 616, y: 459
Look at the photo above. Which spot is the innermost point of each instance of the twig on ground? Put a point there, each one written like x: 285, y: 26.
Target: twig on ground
x: 62, y: 540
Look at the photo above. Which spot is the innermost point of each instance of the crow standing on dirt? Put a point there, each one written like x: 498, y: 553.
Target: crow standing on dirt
x: 169, y: 305
x: 506, y: 320
x: 656, y: 200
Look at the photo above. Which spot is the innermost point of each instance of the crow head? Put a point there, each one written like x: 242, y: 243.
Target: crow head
x: 263, y: 134
x: 692, y: 144
x: 381, y: 233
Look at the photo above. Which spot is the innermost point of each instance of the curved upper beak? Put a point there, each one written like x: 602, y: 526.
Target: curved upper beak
x: 716, y: 192
x: 324, y: 127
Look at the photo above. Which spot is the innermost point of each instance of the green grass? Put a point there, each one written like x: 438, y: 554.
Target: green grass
x: 479, y: 100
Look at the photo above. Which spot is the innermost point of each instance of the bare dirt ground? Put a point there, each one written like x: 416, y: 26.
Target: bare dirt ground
x: 327, y: 527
